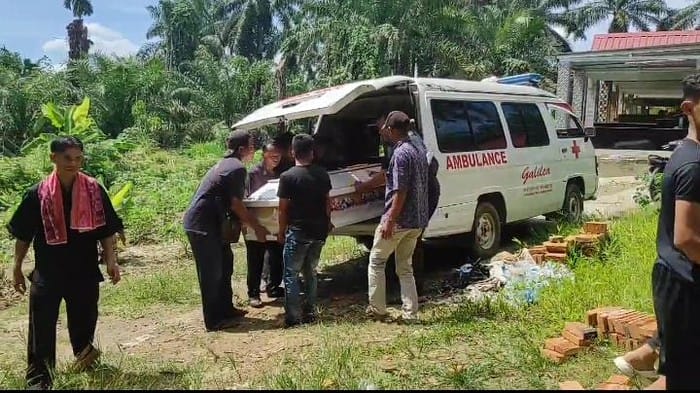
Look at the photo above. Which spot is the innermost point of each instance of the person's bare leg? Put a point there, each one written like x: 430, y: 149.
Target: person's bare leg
x: 659, y: 384
x: 642, y: 358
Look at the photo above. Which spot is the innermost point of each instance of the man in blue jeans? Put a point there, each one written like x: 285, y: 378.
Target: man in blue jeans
x: 304, y: 224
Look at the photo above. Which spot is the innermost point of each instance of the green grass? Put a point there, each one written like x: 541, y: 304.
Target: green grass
x: 486, y: 345
x: 339, y: 249
x: 164, y: 182
x: 491, y: 345
x: 175, y: 288
x: 464, y: 346
x: 117, y: 372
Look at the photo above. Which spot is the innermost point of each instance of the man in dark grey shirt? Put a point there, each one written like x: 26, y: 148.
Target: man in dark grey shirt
x: 220, y: 195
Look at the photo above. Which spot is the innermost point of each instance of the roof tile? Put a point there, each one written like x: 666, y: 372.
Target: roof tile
x: 638, y: 40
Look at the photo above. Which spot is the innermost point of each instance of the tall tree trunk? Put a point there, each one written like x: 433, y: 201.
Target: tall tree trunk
x: 281, y: 78
x: 78, y: 42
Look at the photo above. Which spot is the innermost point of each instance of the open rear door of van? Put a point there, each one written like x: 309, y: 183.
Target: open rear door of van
x: 315, y: 103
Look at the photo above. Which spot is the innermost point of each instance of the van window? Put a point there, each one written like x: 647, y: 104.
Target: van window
x: 572, y: 127
x: 463, y: 126
x: 526, y: 126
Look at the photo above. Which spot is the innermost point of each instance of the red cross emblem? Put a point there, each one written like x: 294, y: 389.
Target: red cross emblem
x: 576, y: 149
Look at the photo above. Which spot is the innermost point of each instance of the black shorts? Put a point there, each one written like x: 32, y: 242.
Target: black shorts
x: 677, y: 308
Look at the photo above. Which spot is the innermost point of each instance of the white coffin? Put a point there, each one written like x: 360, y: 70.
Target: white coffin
x: 347, y: 206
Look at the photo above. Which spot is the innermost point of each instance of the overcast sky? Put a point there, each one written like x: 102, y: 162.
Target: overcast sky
x: 38, y: 27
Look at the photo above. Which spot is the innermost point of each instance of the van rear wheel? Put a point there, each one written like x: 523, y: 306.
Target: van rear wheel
x: 486, y: 230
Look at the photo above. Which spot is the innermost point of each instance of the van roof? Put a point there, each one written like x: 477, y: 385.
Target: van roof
x: 465, y: 86
x: 332, y: 99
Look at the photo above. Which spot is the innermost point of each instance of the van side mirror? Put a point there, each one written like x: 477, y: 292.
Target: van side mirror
x: 588, y: 132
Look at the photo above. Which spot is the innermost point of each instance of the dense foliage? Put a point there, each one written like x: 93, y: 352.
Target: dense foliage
x: 213, y: 61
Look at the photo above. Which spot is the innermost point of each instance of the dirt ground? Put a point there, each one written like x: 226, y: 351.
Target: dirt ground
x: 178, y: 336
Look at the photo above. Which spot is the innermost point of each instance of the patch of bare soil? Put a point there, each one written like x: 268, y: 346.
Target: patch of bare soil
x: 139, y: 258
x: 229, y: 358
x: 8, y: 295
x: 615, y: 185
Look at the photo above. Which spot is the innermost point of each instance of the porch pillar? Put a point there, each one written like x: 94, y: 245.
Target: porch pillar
x: 578, y: 94
x: 563, y: 89
x: 590, y: 105
x: 603, y: 101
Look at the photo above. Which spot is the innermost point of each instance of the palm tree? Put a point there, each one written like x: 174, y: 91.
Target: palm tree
x: 688, y: 17
x: 255, y: 28
x: 640, y: 14
x: 508, y: 40
x: 668, y: 20
x: 78, y: 42
x: 341, y: 40
x: 246, y: 27
x: 345, y: 40
x: 553, y: 12
x: 180, y: 25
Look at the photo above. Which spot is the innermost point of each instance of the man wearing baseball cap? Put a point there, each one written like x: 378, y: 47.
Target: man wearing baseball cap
x: 406, y: 215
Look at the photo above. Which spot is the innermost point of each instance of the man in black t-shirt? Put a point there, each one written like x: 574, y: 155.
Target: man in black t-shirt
x: 304, y: 224
x: 676, y: 274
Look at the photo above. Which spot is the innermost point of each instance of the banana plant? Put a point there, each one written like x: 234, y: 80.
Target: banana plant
x: 120, y: 199
x: 66, y: 121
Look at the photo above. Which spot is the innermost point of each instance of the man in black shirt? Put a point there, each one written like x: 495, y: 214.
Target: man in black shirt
x: 676, y: 274
x: 220, y: 196
x: 64, y: 217
x: 304, y: 224
x: 256, y: 251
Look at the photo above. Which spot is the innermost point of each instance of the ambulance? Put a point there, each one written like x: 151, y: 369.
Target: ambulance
x: 506, y: 152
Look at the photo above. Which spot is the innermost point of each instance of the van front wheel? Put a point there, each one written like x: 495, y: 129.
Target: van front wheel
x: 573, y: 203
x: 486, y: 230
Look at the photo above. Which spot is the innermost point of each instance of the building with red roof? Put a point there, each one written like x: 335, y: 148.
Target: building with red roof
x: 628, y: 84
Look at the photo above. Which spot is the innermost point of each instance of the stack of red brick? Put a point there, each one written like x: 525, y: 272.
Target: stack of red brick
x: 626, y: 328
x: 616, y: 382
x: 558, y: 248
x: 574, y: 337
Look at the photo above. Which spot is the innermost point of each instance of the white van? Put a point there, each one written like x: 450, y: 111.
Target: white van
x: 502, y: 157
